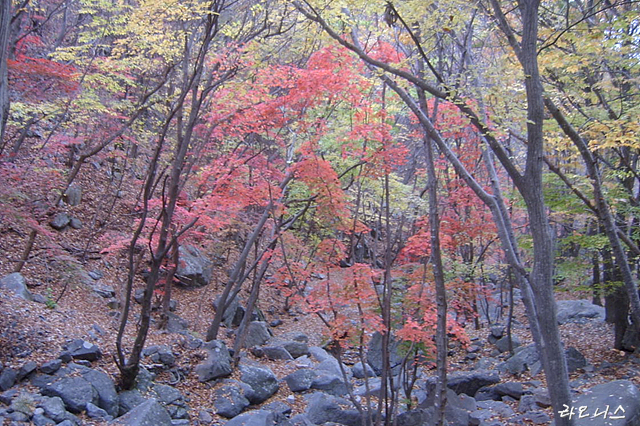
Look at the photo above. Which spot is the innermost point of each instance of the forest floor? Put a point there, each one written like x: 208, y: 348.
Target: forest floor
x: 32, y: 331
x: 37, y: 332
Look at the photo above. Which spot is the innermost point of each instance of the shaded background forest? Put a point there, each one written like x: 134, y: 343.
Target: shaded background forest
x: 424, y: 153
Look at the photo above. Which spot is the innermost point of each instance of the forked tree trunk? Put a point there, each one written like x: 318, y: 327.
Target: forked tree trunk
x: 441, y: 293
x: 5, y: 18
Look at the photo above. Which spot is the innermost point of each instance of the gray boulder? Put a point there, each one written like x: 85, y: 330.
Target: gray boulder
x: 96, y: 275
x: 160, y: 354
x: 27, y: 369
x: 81, y: 349
x: 8, y: 378
x: 253, y: 418
x: 233, y: 314
x: 7, y: 396
x: 470, y: 382
x: 296, y: 349
x: 319, y: 354
x: 75, y: 223
x: 578, y: 311
x: 456, y: 416
x: 229, y: 400
x: 621, y: 396
x: 527, y: 403
x: 360, y: 371
x: 575, y: 359
x: 297, y: 336
x: 175, y: 324
x: 276, y: 353
x: 300, y: 380
x: 60, y: 221
x: 217, y: 364
x: 167, y: 394
x: 194, y: 270
x: 75, y: 392
x: 39, y: 419
x: 525, y: 358
x: 481, y: 417
x: 333, y: 366
x: 503, y: 343
x: 541, y: 397
x: 495, y: 393
x: 73, y: 195
x: 279, y: 408
x: 128, y: 400
x: 17, y: 284
x: 329, y: 383
x: 261, y: 379
x: 95, y: 412
x: 53, y: 408
x: 371, y: 388
x: 149, y: 413
x: 323, y: 408
x: 374, y: 354
x: 257, y: 334
x: 104, y: 291
x: 51, y: 367
x: 144, y: 379
x: 107, y: 396
x: 497, y: 332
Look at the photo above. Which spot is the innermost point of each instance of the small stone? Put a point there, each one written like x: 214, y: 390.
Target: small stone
x: 16, y: 283
x: 138, y: 295
x: 105, y: 291
x: 7, y: 396
x: 473, y: 349
x: 75, y: 223
x: 7, y: 378
x: 60, y: 221
x: 38, y: 298
x: 204, y: 417
x: 28, y: 368
x: 73, y: 195
x: 41, y: 420
x: 54, y: 408
x: 96, y: 412
x: 81, y: 349
x: 17, y: 416
x: 96, y: 275
x: 497, y: 331
x: 541, y: 397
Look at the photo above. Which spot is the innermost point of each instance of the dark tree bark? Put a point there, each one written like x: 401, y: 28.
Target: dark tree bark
x: 192, y: 71
x: 5, y: 19
x: 616, y: 302
x: 441, y: 293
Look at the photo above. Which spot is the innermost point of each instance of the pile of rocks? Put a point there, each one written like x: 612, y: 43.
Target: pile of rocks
x: 68, y: 386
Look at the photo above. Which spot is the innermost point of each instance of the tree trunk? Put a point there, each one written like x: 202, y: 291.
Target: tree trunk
x: 5, y: 18
x: 236, y: 274
x: 441, y: 293
x: 616, y: 302
x: 530, y: 187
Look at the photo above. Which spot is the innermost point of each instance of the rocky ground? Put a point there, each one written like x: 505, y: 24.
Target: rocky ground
x: 57, y: 368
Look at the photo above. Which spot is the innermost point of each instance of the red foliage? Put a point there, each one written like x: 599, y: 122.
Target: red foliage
x: 33, y: 78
